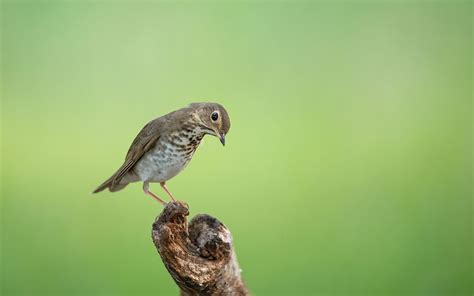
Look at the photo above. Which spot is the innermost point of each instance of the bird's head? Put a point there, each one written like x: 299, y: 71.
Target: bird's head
x: 212, y: 118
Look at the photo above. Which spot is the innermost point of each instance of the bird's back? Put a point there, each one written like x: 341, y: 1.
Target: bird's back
x: 162, y: 148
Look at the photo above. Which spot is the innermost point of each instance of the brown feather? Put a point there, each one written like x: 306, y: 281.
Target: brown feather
x: 104, y: 185
x: 143, y: 142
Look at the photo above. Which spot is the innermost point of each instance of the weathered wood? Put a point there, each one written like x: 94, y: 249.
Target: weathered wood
x: 200, y: 257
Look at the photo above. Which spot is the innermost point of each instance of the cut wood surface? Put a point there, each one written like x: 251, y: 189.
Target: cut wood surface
x: 200, y: 256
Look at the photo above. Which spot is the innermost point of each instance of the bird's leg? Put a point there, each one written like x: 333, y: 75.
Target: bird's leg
x: 148, y: 192
x: 163, y: 185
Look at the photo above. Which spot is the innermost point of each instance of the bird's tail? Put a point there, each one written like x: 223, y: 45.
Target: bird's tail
x: 111, y: 185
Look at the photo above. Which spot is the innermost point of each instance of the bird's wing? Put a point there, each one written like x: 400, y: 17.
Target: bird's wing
x: 143, y: 142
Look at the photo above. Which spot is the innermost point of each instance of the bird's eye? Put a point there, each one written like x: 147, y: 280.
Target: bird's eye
x: 214, y: 116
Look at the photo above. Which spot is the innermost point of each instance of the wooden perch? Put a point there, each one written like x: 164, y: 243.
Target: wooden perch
x: 200, y: 257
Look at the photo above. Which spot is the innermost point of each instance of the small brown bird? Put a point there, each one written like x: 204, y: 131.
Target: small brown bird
x: 166, y: 144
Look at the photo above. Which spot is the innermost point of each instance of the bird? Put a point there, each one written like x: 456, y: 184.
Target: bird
x: 165, y: 146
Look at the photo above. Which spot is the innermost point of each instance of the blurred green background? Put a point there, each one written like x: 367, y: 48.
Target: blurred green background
x: 348, y: 168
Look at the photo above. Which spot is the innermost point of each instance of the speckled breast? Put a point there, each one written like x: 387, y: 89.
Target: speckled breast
x: 170, y: 155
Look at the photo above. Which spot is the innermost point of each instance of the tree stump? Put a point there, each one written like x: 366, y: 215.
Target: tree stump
x: 200, y: 257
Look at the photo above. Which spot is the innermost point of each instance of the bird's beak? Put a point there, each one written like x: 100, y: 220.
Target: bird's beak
x: 222, y: 138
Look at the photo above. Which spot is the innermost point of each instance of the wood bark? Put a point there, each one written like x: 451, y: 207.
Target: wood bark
x: 200, y: 256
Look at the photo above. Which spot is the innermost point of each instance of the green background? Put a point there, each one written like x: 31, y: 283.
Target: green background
x: 347, y: 170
